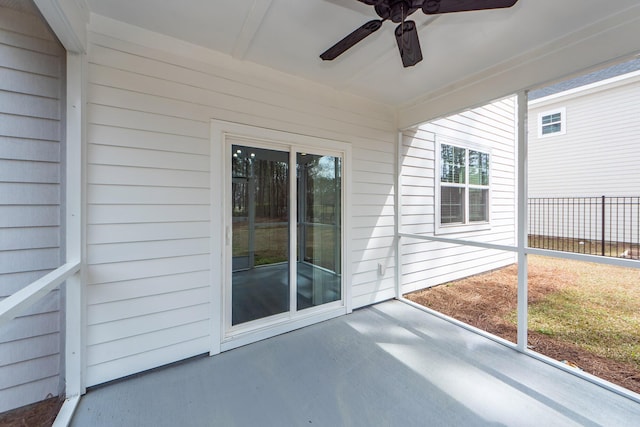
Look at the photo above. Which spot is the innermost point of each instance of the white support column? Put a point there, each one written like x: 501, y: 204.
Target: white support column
x: 347, y: 221
x: 220, y: 229
x: 74, y: 305
x: 522, y: 221
x: 398, y: 217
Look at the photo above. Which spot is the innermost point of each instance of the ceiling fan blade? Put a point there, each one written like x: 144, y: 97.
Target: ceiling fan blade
x: 349, y: 41
x: 433, y: 7
x: 408, y: 43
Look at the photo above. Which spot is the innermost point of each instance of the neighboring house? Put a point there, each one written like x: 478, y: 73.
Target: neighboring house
x: 134, y: 165
x: 569, y: 172
x: 458, y: 179
x: 570, y: 122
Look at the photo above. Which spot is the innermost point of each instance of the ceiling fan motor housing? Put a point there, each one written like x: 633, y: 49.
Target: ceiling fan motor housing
x: 431, y: 6
x: 399, y: 10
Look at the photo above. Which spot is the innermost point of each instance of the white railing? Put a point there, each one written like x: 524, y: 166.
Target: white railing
x: 17, y: 303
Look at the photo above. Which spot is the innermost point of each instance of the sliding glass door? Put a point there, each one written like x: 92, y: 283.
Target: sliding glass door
x: 286, y: 233
x: 319, y: 232
x: 260, y: 228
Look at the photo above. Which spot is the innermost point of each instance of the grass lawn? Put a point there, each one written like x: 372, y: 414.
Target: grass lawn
x: 271, y: 243
x: 584, y: 313
x: 597, y: 310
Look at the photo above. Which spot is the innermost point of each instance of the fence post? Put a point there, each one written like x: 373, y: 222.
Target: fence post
x: 603, y: 223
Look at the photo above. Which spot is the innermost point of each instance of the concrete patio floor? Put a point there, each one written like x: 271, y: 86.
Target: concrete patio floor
x: 385, y: 365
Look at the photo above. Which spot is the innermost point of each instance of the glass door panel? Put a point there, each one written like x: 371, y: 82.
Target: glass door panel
x: 260, y: 228
x: 319, y: 230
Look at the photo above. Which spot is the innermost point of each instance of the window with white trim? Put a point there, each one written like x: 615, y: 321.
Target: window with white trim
x: 552, y: 123
x: 463, y: 186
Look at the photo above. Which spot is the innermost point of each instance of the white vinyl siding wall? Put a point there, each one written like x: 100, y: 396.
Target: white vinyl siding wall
x: 598, y: 155
x: 425, y: 263
x: 31, y: 86
x: 148, y: 173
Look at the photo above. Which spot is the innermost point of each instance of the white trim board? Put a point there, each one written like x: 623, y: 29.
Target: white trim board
x: 68, y: 19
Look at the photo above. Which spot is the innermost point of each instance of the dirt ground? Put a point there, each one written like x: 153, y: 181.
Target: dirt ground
x: 41, y: 414
x: 486, y: 301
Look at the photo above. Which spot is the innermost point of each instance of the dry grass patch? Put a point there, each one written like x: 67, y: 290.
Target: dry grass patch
x: 598, y: 311
x: 585, y: 313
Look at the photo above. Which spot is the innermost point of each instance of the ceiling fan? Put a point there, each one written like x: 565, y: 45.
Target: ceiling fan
x: 406, y: 33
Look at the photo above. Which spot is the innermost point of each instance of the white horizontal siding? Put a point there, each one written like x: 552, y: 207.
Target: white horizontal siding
x: 31, y: 84
x: 17, y: 58
x: 29, y: 216
x: 30, y: 194
x: 132, y: 327
x: 137, y: 362
x: 22, y: 19
x: 145, y: 139
x: 133, y: 251
x: 22, y: 238
x: 20, y: 171
x: 15, y: 149
x: 127, y: 214
x: 124, y: 175
x: 149, y: 195
x: 24, y: 260
x: 24, y: 326
x: 142, y: 158
x: 21, y: 104
x: 118, y: 233
x: 427, y: 264
x: 29, y: 127
x: 455, y: 267
x: 36, y: 370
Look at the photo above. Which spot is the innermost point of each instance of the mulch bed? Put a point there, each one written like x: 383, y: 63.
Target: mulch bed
x: 486, y: 301
x: 41, y: 414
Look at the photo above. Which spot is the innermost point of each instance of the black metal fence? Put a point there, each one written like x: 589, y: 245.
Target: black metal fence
x: 606, y: 226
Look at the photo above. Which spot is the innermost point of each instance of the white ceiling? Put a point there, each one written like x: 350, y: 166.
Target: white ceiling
x: 288, y: 35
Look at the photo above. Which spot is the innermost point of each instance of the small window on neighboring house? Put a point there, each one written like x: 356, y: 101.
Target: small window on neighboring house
x: 463, y: 187
x: 552, y: 123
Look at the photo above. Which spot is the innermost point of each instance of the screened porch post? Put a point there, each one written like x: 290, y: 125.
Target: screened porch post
x: 397, y: 223
x: 74, y: 223
x: 522, y: 224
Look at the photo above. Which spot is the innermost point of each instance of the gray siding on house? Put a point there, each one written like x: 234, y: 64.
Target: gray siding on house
x: 31, y: 126
x: 432, y: 263
x: 598, y: 155
x: 149, y: 191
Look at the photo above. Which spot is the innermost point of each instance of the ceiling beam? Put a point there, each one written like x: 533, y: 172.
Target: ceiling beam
x: 250, y: 27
